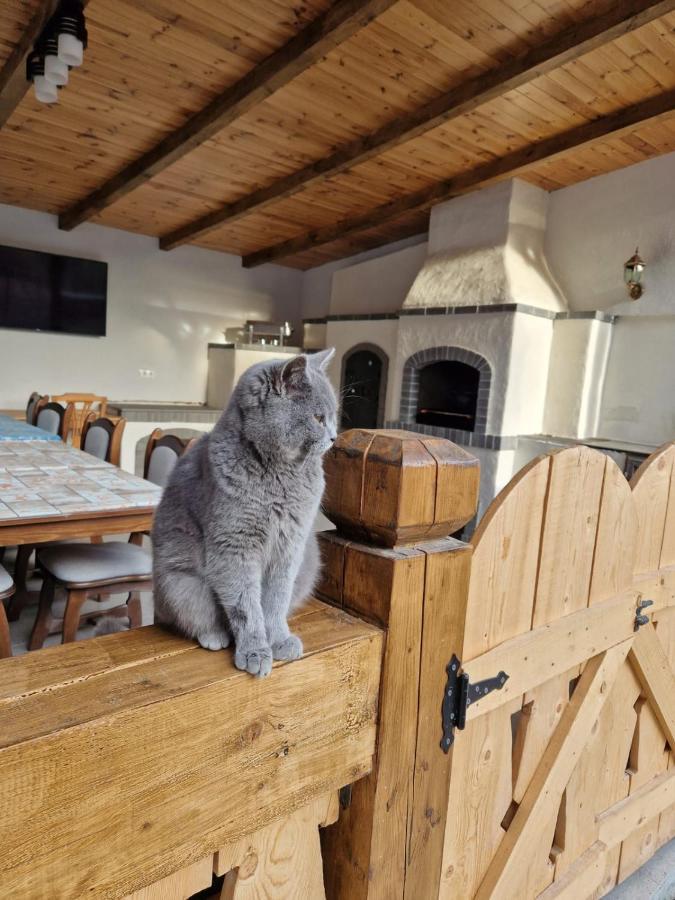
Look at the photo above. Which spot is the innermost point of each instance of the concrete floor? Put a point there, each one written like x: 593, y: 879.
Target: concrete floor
x: 654, y: 881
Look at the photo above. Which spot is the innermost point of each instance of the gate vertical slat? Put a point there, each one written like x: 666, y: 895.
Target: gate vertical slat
x: 568, y: 540
x: 501, y: 595
x: 599, y: 779
x: 653, y: 487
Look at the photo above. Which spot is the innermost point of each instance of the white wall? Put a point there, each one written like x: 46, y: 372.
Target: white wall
x: 527, y: 373
x: 345, y: 335
x: 317, y: 283
x: 163, y: 309
x: 638, y: 402
x: 594, y: 226
x: 376, y: 285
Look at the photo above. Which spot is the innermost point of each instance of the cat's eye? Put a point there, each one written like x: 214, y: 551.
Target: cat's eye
x: 320, y: 419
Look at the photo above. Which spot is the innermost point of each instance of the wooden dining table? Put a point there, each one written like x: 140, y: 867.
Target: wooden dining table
x: 51, y: 491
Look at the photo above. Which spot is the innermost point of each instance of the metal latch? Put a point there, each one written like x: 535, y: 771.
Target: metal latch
x: 459, y: 694
x: 641, y: 619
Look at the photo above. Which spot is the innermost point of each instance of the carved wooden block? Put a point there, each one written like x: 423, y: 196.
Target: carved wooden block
x: 398, y: 487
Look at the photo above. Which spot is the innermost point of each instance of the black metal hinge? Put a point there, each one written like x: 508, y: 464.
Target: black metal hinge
x: 641, y: 619
x: 459, y: 695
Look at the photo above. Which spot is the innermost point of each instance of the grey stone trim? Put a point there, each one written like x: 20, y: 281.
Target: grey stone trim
x: 464, y: 438
x: 588, y: 314
x: 523, y: 308
x: 358, y: 317
x: 410, y: 384
x: 263, y: 348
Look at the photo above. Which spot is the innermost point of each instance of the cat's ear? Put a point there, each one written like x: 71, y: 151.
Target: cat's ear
x: 321, y: 359
x: 292, y: 375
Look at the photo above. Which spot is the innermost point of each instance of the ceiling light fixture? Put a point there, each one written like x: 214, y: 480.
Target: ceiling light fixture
x: 56, y: 70
x: 59, y: 48
x: 71, y: 32
x: 45, y: 90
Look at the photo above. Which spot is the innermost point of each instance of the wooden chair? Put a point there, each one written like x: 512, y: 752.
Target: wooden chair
x: 6, y: 591
x: 88, y: 572
x: 162, y: 453
x: 82, y: 405
x: 31, y: 411
x: 102, y: 437
x: 53, y: 417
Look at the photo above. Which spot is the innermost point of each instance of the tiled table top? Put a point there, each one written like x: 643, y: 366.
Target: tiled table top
x: 15, y: 430
x: 42, y: 480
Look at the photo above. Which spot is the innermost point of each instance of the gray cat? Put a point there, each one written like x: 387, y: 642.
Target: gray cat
x: 233, y: 542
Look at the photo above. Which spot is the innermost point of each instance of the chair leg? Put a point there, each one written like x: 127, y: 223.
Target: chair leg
x: 136, y: 538
x: 43, y: 619
x: 71, y: 618
x: 5, y: 641
x: 134, y: 610
x: 18, y: 601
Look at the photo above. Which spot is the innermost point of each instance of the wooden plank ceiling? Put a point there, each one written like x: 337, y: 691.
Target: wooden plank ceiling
x: 305, y: 132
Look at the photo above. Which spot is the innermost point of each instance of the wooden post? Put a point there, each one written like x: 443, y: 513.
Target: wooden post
x: 395, y: 497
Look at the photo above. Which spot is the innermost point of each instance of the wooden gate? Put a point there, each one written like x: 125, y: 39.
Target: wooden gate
x: 563, y: 781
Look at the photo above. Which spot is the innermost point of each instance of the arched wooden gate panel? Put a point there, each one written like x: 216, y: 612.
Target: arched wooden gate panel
x: 553, y: 772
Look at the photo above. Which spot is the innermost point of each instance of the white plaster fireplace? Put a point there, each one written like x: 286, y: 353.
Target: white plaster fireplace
x: 485, y: 313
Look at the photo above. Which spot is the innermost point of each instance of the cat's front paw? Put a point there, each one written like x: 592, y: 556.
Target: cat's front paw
x: 289, y: 648
x: 214, y: 640
x: 256, y: 661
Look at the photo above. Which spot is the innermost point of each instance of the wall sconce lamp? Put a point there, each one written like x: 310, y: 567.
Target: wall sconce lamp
x: 633, y: 270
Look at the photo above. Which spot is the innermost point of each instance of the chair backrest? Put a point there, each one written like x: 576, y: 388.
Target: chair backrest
x: 83, y: 405
x: 102, y: 437
x: 30, y: 407
x: 162, y: 453
x: 52, y: 417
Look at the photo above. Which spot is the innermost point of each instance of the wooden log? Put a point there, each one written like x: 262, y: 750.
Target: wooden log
x: 390, y: 487
x: 398, y: 487
x: 121, y: 764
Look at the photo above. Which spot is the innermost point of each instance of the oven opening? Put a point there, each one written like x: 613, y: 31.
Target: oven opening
x: 448, y: 395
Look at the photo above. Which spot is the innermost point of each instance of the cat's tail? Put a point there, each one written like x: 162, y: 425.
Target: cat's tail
x: 111, y: 625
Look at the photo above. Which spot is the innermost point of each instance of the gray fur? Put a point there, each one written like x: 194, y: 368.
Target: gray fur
x: 111, y: 625
x: 233, y: 542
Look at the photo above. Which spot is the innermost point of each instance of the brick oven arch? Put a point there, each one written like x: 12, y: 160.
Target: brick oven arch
x: 410, y: 385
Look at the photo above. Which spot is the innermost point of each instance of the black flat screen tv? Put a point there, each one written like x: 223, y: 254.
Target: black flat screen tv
x: 46, y: 292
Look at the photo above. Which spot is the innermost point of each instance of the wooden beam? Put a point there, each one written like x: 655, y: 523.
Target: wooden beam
x: 570, y: 44
x: 13, y: 83
x: 177, y: 724
x: 655, y: 674
x: 613, y: 125
x: 336, y: 25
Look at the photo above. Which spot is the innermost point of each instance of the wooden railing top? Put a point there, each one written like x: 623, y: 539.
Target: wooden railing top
x: 128, y: 757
